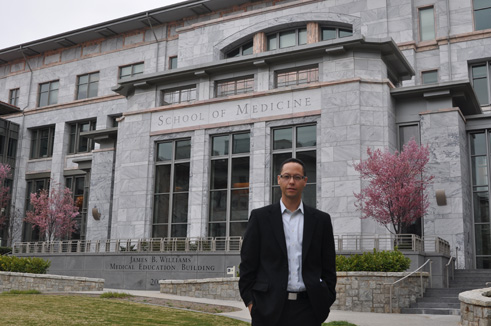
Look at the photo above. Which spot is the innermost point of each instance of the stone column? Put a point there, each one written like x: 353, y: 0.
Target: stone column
x: 198, y: 192
x: 259, y: 175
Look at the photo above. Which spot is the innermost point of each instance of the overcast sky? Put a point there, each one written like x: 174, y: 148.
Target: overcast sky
x: 28, y: 20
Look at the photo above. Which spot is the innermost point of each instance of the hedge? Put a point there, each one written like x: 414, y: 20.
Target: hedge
x: 24, y: 265
x: 5, y: 250
x: 376, y: 261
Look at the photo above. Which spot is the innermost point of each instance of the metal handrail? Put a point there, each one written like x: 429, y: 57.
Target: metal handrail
x: 403, y: 278
x: 450, y: 261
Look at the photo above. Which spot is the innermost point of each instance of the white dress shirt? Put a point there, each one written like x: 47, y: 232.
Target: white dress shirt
x: 293, y: 227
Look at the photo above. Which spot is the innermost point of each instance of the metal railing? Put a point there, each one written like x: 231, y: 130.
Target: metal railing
x: 207, y: 244
x: 451, y: 262
x: 403, y: 278
x: 408, y: 242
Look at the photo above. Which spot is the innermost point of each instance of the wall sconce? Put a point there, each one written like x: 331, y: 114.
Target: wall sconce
x: 441, y: 199
x: 96, y: 214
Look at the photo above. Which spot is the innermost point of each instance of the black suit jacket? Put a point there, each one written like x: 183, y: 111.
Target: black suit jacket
x: 264, y: 263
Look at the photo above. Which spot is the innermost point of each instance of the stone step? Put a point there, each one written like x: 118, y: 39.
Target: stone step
x: 431, y: 311
x: 446, y: 292
x: 434, y: 304
x: 439, y: 299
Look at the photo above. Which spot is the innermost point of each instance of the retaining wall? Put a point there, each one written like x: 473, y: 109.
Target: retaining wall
x: 48, y: 283
x: 475, y: 307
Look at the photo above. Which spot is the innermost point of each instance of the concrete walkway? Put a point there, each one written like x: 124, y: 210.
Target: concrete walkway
x: 357, y: 318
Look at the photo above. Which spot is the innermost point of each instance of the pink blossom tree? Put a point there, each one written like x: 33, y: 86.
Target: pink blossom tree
x: 53, y: 212
x: 4, y: 193
x: 397, y: 182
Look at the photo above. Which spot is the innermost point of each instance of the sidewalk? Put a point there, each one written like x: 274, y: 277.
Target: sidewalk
x: 357, y: 318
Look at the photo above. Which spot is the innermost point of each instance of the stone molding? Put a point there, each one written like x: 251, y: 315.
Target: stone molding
x: 48, y: 283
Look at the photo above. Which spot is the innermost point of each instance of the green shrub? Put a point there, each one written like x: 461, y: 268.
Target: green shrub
x: 24, y: 265
x: 22, y: 292
x: 115, y: 295
x: 5, y: 250
x: 376, y: 261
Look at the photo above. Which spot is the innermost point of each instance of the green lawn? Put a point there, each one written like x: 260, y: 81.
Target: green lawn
x: 32, y: 310
x: 338, y: 323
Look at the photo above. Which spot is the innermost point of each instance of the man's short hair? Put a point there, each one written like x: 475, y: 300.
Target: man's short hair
x: 293, y: 160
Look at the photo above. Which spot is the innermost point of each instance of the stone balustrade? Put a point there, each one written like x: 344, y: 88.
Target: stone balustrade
x: 475, y: 307
x: 48, y: 283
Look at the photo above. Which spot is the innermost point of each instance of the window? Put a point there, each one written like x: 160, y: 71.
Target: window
x: 426, y: 24
x: 131, y: 70
x: 245, y: 49
x: 31, y: 233
x: 87, y: 85
x: 429, y: 77
x: 170, y: 207
x: 179, y: 95
x: 330, y: 33
x: 299, y: 142
x: 79, y: 144
x: 42, y: 141
x: 172, y: 62
x: 297, y: 76
x: 79, y: 186
x: 235, y: 86
x: 14, y: 96
x: 479, y: 77
x: 48, y: 93
x: 287, y: 39
x: 482, y: 14
x: 229, y: 185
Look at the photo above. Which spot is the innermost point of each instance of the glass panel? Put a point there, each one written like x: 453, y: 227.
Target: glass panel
x: 162, y: 178
x: 277, y: 160
x: 479, y: 171
x: 302, y: 36
x: 43, y: 99
x: 240, y: 172
x: 479, y: 71
x: 93, y: 88
x: 164, y: 151
x: 309, y: 195
x: 173, y: 63
x: 53, y: 97
x: 179, y: 230
x: 180, y: 208
x: 217, y: 230
x: 406, y: 133
x: 481, y: 4
x: 43, y: 148
x: 161, y: 209
x: 482, y: 19
x: 125, y: 72
x: 481, y: 207
x: 306, y: 136
x: 218, y: 206
x: 237, y: 229
x: 483, y: 262
x: 478, y: 143
x: 427, y: 24
x: 234, y: 53
x: 483, y: 239
x: 220, y: 145
x: 159, y: 231
x: 272, y: 42
x: 430, y: 77
x: 181, y: 177
x: 345, y: 32
x: 82, y: 92
x: 247, y: 48
x: 219, y: 170
x: 44, y: 88
x: 309, y: 159
x: 94, y: 77
x: 241, y: 143
x: 276, y: 194
x: 239, y: 205
x: 183, y: 149
x: 83, y: 79
x: 54, y: 85
x: 138, y: 69
x: 282, y: 138
x: 287, y: 39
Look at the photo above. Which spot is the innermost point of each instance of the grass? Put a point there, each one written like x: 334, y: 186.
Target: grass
x: 53, y: 310
x: 338, y: 323
x: 115, y: 295
x: 22, y: 292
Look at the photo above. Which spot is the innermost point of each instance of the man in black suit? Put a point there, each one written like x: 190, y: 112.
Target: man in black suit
x: 287, y: 269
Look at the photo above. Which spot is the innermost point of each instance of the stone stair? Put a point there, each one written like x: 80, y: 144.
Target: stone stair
x: 437, y: 301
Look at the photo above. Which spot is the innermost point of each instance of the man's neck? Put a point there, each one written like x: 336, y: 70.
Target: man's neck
x: 290, y: 203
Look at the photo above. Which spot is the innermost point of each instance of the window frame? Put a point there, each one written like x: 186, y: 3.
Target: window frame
x: 427, y: 72
x: 36, y: 140
x: 277, y: 36
x: 173, y: 62
x: 338, y: 31
x: 77, y: 137
x: 71, y: 182
x: 234, y: 81
x: 29, y: 233
x: 88, y: 85
x: 297, y: 70
x: 486, y: 64
x: 474, y: 11
x: 132, y: 74
x: 241, y: 49
x: 422, y: 27
x: 50, y: 92
x: 180, y: 90
x: 14, y: 96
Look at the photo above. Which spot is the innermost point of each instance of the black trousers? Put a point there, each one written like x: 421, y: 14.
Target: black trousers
x: 295, y: 313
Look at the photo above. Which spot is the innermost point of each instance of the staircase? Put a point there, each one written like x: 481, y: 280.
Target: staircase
x: 446, y: 301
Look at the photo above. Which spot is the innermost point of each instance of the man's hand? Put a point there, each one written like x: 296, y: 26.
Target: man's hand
x: 250, y: 307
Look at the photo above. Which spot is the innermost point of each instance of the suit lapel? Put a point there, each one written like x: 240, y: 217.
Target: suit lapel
x: 277, y: 225
x: 309, y: 224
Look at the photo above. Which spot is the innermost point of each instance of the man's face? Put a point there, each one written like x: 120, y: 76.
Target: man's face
x: 289, y: 187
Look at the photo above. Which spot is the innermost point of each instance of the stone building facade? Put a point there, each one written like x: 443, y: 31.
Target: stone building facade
x: 172, y: 122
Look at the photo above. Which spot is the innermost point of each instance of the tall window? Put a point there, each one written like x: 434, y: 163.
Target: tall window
x: 429, y: 77
x: 87, y: 85
x: 426, y: 24
x: 479, y: 77
x: 229, y: 185
x: 298, y: 142
x: 479, y: 145
x: 79, y: 186
x: 80, y: 144
x: 235, y: 86
x: 173, y: 62
x: 29, y: 233
x: 131, y: 70
x: 14, y: 96
x: 48, y: 93
x: 170, y: 208
x: 287, y: 39
x: 297, y: 76
x: 179, y: 95
x: 330, y: 33
x: 244, y: 49
x: 42, y: 141
x: 482, y: 14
